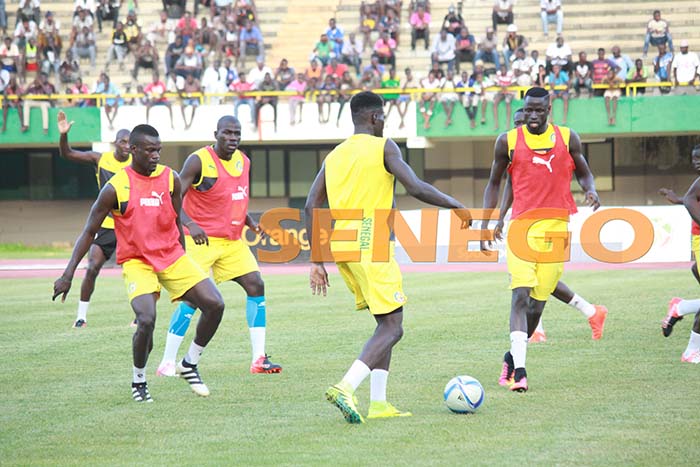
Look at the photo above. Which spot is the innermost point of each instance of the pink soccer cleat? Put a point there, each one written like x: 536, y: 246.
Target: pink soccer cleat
x: 672, y: 317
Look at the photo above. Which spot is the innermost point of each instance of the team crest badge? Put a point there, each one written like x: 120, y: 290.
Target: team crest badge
x: 399, y: 297
x: 237, y: 164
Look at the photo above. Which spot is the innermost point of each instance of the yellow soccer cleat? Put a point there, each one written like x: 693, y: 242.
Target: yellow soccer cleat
x: 385, y: 410
x: 346, y: 402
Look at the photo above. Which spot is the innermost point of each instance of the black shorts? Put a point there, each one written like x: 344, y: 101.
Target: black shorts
x: 106, y: 240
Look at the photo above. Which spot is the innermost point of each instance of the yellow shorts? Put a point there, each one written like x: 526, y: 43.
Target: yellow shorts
x: 695, y: 247
x: 227, y: 259
x: 541, y: 278
x: 377, y: 286
x: 178, y: 278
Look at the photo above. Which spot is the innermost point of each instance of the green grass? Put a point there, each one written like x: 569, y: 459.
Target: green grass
x: 22, y: 251
x: 625, y: 400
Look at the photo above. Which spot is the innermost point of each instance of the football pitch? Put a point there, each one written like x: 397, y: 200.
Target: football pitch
x: 624, y: 400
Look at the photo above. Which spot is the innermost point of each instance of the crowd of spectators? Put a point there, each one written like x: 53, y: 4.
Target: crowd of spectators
x: 219, y: 49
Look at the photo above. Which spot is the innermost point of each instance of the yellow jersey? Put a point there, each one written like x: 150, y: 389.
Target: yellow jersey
x: 107, y: 166
x: 357, y: 179
x: 543, y: 142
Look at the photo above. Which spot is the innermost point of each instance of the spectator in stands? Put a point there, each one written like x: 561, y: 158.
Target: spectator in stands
x: 285, y: 74
x: 326, y: 96
x: 335, y: 69
x: 559, y: 53
x: 12, y: 98
x: 296, y: 101
x: 9, y: 55
x: 612, y: 94
x: 583, y: 75
x: 662, y: 67
x: 390, y: 100
x: 88, y: 6
x: 444, y: 49
x: 535, y: 55
x: 30, y: 58
x: 208, y: 35
x: 420, y: 27
x: 504, y: 79
x: 174, y: 8
x: 368, y: 81
x: 369, y: 20
x: 551, y: 12
x: 231, y: 73
x: 352, y: 52
x: 558, y: 77
x: 132, y: 28
x: 189, y: 98
x: 623, y: 62
x: 384, y: 49
x: 252, y: 42
x: 407, y: 83
x: 256, y: 75
x: 79, y: 88
x: 453, y: 21
x: 214, y: 78
x: 477, y: 97
x: 163, y: 30
x: 314, y: 71
x: 241, y: 86
x: 50, y: 58
x: 173, y: 54
x: 488, y: 49
x: 322, y: 50
x: 390, y: 24
x: 3, y: 18
x: 657, y: 33
x: 69, y: 71
x: 335, y: 36
x: 375, y: 68
x: 437, y: 69
x: 464, y: 47
x: 84, y: 46
x: 685, y: 66
x: 186, y: 26
x: 118, y: 49
x: 502, y: 13
x: 448, y: 97
x: 40, y: 87
x: 232, y: 46
x: 145, y: 57
x: 245, y: 11
x: 428, y: 98
x: 522, y: 68
x: 638, y: 74
x: 601, y: 66
x: 108, y: 10
x: 25, y: 30
x: 190, y: 63
x: 512, y: 42
x: 345, y: 85
x: 49, y: 27
x: 30, y: 9
x: 82, y: 20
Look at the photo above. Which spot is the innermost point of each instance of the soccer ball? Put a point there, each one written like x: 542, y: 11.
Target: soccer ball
x: 464, y: 394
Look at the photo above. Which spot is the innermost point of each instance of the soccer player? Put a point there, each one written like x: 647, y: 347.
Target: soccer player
x: 215, y: 210
x: 105, y: 242
x: 359, y: 174
x: 540, y: 159
x: 678, y: 308
x: 595, y: 314
x: 145, y: 200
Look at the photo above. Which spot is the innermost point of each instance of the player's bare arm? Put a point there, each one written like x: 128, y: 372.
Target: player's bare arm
x: 68, y: 153
x: 583, y: 171
x: 176, y: 197
x: 498, y: 168
x: 670, y: 196
x: 691, y: 200
x: 318, y: 277
x: 254, y: 226
x: 506, y: 203
x: 106, y: 200
x: 191, y: 173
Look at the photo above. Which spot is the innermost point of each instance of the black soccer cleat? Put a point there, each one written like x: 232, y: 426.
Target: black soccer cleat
x: 139, y: 391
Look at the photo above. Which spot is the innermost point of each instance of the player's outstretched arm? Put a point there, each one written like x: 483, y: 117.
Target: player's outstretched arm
x: 583, y: 171
x: 105, y: 201
x: 394, y: 164
x: 670, y: 196
x: 85, y: 157
x: 192, y: 172
x: 691, y: 200
x: 498, y: 168
x: 318, y: 277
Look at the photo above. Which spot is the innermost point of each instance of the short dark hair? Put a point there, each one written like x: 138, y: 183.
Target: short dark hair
x: 363, y: 102
x: 537, y: 93
x: 140, y: 131
x: 519, y: 110
x: 601, y: 49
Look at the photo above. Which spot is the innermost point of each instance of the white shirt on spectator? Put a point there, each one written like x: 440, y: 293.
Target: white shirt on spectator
x: 445, y: 49
x: 85, y: 5
x: 686, y: 66
x: 32, y: 3
x: 29, y: 33
x: 214, y: 80
x: 80, y: 23
x: 550, y: 4
x: 256, y: 75
x: 4, y: 79
x: 223, y: 3
x: 352, y: 49
x: 554, y: 51
x: 504, y: 4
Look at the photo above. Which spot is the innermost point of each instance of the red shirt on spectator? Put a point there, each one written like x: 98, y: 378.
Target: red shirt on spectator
x: 156, y: 91
x: 339, y: 70
x: 241, y: 87
x: 183, y: 24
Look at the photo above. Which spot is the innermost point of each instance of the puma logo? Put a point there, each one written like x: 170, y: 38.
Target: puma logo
x: 538, y: 160
x: 241, y: 194
x: 156, y: 201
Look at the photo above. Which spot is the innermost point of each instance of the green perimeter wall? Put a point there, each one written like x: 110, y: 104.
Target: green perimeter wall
x: 87, y: 119
x: 652, y: 116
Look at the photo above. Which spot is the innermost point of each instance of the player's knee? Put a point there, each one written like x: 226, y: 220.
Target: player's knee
x: 256, y: 287
x: 213, y: 306
x: 92, y: 271
x: 146, y: 323
x: 397, y: 333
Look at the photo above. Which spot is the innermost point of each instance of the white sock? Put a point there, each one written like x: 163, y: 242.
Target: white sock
x: 518, y: 348
x: 377, y: 385
x: 257, y: 341
x: 172, y: 344
x: 686, y: 307
x: 539, y: 327
x: 582, y: 305
x: 194, y: 354
x: 82, y: 310
x: 139, y: 375
x: 356, y: 374
x: 693, y: 343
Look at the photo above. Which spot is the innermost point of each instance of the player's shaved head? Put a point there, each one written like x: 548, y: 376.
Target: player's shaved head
x: 123, y: 133
x: 363, y: 105
x: 140, y: 132
x: 537, y: 93
x: 227, y: 120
